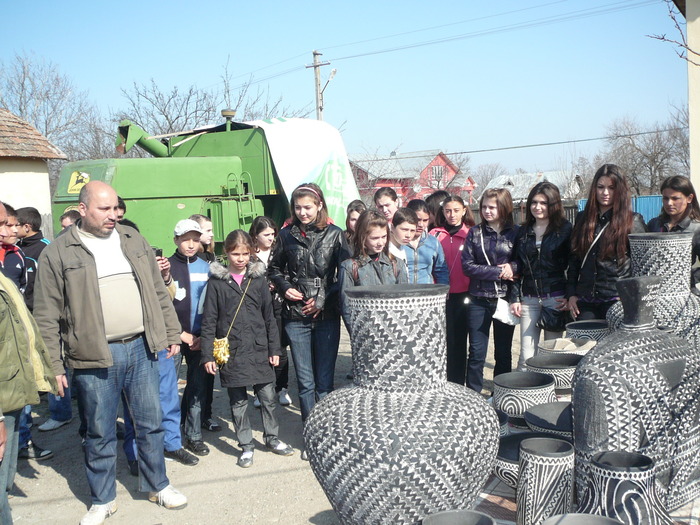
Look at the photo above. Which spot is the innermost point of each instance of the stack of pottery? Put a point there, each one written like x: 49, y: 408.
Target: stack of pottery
x: 595, y: 329
x: 560, y: 367
x: 403, y: 442
x: 637, y: 391
x: 565, y: 345
x: 507, y: 465
x: 515, y: 392
x: 552, y: 418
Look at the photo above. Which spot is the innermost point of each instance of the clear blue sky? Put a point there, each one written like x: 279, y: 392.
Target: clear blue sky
x: 519, y: 72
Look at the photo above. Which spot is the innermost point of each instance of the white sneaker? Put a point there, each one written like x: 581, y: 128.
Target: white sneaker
x: 284, y: 397
x: 99, y: 513
x: 169, y: 497
x: 52, y: 424
x: 256, y: 402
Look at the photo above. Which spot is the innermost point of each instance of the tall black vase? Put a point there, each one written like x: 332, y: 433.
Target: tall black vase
x: 637, y: 391
x: 403, y: 442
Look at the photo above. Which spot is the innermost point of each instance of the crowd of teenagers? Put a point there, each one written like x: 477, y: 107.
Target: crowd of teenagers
x: 286, y: 287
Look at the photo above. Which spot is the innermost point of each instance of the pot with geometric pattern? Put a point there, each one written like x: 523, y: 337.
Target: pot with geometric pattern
x: 402, y: 442
x: 515, y: 392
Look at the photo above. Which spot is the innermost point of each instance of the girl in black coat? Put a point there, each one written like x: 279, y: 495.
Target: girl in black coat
x: 238, y: 305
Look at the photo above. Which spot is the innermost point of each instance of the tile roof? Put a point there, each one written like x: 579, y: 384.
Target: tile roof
x: 405, y: 166
x: 520, y: 185
x: 19, y: 139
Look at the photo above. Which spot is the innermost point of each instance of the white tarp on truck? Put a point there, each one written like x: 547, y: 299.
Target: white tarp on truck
x: 305, y: 150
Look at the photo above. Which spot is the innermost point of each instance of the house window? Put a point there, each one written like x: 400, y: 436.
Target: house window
x: 437, y: 174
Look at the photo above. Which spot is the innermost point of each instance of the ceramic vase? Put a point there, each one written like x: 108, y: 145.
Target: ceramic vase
x: 560, y: 367
x: 595, y: 329
x: 637, y: 391
x: 402, y: 442
x: 546, y: 481
x: 459, y: 517
x: 668, y: 255
x: 515, y: 392
x: 621, y: 485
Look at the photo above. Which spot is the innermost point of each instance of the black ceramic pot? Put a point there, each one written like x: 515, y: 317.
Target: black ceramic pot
x: 546, y: 481
x: 551, y: 418
x: 402, y: 442
x: 576, y: 518
x: 622, y: 485
x: 515, y: 392
x: 560, y: 367
x: 637, y: 390
x: 564, y: 345
x: 459, y: 517
x: 507, y: 465
x: 595, y: 329
x: 503, y: 423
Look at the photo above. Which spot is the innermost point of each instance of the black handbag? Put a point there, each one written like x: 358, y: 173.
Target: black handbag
x: 552, y: 320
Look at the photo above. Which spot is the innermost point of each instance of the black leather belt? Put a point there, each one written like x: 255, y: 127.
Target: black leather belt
x: 126, y: 340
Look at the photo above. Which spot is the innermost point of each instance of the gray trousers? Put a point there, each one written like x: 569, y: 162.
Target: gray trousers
x: 238, y: 399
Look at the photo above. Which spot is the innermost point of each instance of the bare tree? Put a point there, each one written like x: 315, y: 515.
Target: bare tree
x: 681, y: 42
x: 484, y: 173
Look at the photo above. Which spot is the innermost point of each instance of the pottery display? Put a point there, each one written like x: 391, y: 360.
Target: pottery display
x: 507, y: 465
x: 564, y: 345
x: 668, y: 255
x: 546, y: 481
x: 459, y: 517
x: 595, y: 329
x: 622, y: 485
x: 576, y: 518
x: 560, y: 367
x: 515, y: 392
x: 637, y: 391
x: 551, y: 418
x: 504, y: 428
x: 402, y: 442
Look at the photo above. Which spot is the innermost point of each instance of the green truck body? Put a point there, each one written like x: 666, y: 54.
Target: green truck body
x: 225, y: 172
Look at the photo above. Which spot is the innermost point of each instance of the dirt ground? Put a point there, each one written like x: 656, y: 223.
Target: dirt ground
x: 274, y: 490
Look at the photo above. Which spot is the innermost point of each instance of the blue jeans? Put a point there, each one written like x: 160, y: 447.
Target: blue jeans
x: 135, y: 371
x: 479, y: 320
x: 169, y: 404
x: 314, y: 347
x: 60, y: 408
x: 8, y: 466
x: 25, y: 420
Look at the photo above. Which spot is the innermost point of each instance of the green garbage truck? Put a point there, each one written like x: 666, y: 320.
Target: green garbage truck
x: 231, y: 173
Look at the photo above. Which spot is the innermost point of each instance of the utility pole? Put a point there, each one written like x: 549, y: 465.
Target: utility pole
x: 317, y: 78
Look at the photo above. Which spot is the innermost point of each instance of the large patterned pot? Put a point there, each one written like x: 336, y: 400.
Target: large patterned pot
x: 546, y: 482
x: 637, y: 391
x: 621, y: 485
x: 668, y: 255
x: 403, y: 442
x: 515, y: 392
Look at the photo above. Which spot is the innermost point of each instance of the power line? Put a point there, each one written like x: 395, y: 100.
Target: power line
x: 524, y: 146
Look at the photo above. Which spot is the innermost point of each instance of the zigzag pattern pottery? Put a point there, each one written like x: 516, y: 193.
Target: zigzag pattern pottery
x: 403, y: 442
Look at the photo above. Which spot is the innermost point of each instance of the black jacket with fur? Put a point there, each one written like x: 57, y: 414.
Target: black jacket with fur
x: 254, y: 336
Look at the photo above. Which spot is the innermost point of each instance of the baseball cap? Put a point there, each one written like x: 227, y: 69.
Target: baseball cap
x: 186, y: 225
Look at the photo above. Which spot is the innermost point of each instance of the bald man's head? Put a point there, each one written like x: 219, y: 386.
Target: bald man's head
x: 98, y: 208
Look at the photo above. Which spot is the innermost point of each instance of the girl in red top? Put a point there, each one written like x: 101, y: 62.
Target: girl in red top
x: 453, y: 222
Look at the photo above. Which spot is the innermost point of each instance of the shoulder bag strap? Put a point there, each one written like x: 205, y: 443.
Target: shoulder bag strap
x: 593, y: 244
x: 483, y: 249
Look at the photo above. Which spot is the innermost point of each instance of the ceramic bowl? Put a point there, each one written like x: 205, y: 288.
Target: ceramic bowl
x: 564, y: 345
x: 459, y: 517
x: 560, y: 367
x: 515, y: 392
x: 506, y: 468
x: 551, y: 418
x: 594, y: 329
x: 580, y: 519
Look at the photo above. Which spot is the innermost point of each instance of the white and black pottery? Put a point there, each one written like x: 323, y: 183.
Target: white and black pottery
x: 564, y: 345
x: 503, y: 423
x: 459, y: 517
x: 594, y: 329
x: 551, y: 418
x: 621, y: 485
x: 515, y: 392
x: 507, y: 465
x: 576, y: 518
x: 637, y: 391
x: 402, y: 442
x: 560, y: 367
x: 546, y: 481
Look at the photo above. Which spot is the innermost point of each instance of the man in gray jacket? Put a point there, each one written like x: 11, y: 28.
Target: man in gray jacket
x: 100, y: 292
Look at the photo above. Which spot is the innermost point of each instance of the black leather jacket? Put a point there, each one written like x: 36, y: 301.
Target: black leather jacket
x: 541, y: 272
x: 596, y: 280
x: 499, y: 248
x: 309, y: 264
